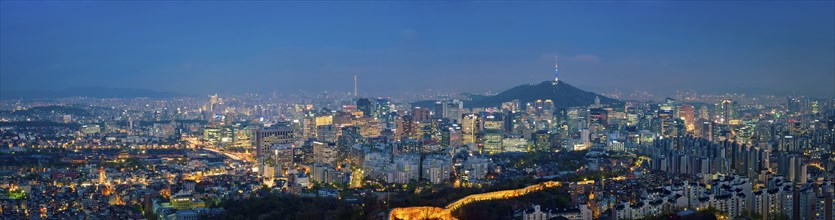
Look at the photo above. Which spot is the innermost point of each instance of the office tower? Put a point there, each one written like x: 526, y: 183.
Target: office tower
x: 364, y: 105
x: 492, y: 138
x: 469, y: 128
x: 277, y: 134
x: 512, y: 105
x: 283, y: 154
x: 814, y: 107
x: 383, y: 109
x: 448, y: 109
x: 420, y: 114
x: 542, y: 140
x: 242, y: 136
x: 215, y: 105
x: 324, y: 119
x: 725, y: 111
x: 665, y: 119
x: 538, y: 105
x: 440, y: 108
x: 598, y: 117
x: 405, y: 127
x: 454, y: 109
x: 703, y: 113
x: 794, y: 105
x: 450, y: 136
x: 585, y: 136
x: 350, y: 136
x: 324, y: 152
x: 213, y: 100
x: 687, y: 114
x: 309, y: 125
x: 326, y: 132
x: 211, y: 136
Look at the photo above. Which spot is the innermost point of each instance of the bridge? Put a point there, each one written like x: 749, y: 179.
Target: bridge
x: 428, y: 212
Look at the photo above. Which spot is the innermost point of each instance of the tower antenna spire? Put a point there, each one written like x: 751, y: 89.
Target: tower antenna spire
x: 556, y: 68
x: 355, y: 85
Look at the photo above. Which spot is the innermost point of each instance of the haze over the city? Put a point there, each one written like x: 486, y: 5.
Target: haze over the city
x: 396, y: 47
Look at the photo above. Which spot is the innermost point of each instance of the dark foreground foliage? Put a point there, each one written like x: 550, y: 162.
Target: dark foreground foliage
x: 294, y: 207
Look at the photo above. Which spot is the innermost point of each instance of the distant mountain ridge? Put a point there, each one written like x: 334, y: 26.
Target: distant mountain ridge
x: 563, y: 94
x: 94, y: 92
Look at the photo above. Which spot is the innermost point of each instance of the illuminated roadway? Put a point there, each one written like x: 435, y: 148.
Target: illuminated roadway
x: 194, y: 143
x: 231, y: 156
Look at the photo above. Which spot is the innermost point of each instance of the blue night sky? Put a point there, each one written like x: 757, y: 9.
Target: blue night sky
x: 396, y: 47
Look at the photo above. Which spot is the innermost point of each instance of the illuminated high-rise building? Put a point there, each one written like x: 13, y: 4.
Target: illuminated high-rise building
x: 326, y: 133
x: 309, y: 125
x: 815, y: 107
x: 283, y: 157
x: 405, y: 127
x: 598, y: 117
x: 439, y: 110
x: 795, y: 105
x: 420, y: 114
x: 469, y: 128
x: 512, y: 105
x: 665, y: 119
x: 324, y: 152
x: 542, y: 141
x: 102, y: 176
x: 725, y: 111
x: 548, y: 107
x: 324, y: 120
x: 704, y: 129
x: 213, y: 100
x: 349, y: 136
x: 448, y: 109
x: 211, y: 136
x: 277, y: 134
x: 492, y: 135
x: 383, y: 109
x: 687, y: 114
x: 703, y: 113
x: 215, y: 103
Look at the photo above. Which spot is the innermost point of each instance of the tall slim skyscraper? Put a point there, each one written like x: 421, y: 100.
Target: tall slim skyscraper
x: 725, y: 111
x: 355, y: 85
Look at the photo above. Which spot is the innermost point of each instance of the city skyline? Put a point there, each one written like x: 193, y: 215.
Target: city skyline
x: 778, y: 48
x: 488, y: 110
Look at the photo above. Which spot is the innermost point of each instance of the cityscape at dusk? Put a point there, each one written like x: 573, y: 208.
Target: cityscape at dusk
x: 531, y: 110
